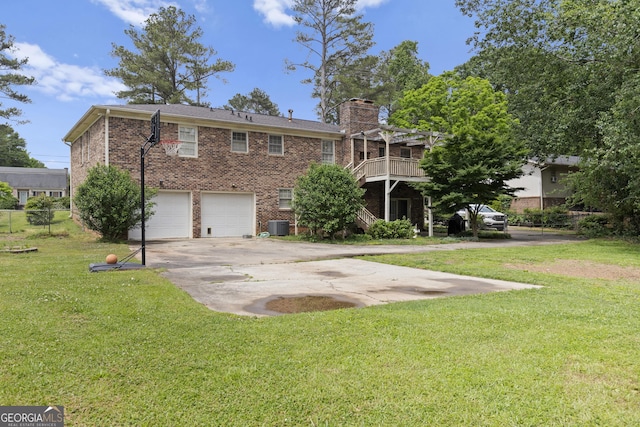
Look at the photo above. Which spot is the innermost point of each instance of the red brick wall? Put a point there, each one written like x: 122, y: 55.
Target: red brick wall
x: 216, y: 168
x: 86, y: 152
x: 357, y: 116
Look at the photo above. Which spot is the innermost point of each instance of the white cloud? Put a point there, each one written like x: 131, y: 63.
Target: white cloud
x: 201, y: 6
x: 134, y: 12
x: 66, y: 82
x: 369, y: 3
x: 274, y: 11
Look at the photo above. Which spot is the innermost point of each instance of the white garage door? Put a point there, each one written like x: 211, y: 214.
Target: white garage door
x: 227, y: 215
x: 172, y: 218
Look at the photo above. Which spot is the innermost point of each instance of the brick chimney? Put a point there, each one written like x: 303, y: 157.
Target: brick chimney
x: 358, y: 115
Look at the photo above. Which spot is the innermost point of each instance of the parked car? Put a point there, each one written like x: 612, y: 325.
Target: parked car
x: 490, y: 217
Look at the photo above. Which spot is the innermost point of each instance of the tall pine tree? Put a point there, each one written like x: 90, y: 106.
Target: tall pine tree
x: 336, y: 38
x: 10, y: 76
x: 169, y: 63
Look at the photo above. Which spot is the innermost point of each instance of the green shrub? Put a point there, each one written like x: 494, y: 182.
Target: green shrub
x: 502, y: 203
x: 8, y: 202
x: 327, y: 198
x: 63, y: 202
x: 555, y: 217
x: 108, y: 202
x: 595, y: 226
x: 40, y: 210
x: 398, y: 229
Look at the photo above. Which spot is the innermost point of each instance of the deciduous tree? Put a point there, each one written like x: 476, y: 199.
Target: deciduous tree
x: 7, y: 200
x: 382, y: 78
x: 473, y: 166
x: 571, y: 71
x: 13, y: 150
x: 399, y: 70
x: 169, y: 63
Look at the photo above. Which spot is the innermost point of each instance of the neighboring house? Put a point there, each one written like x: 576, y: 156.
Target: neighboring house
x: 29, y: 182
x: 236, y: 171
x: 543, y: 183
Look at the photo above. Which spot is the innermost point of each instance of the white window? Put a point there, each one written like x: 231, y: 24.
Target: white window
x: 328, y: 152
x: 285, y: 195
x: 55, y: 193
x: 239, y: 142
x: 275, y: 145
x: 188, y: 136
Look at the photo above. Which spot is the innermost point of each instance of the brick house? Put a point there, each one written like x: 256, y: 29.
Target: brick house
x: 30, y: 182
x: 236, y: 171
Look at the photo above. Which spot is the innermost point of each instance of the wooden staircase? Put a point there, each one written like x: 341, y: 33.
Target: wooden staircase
x: 364, y: 219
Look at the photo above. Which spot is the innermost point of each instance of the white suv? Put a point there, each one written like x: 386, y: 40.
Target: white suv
x: 490, y: 217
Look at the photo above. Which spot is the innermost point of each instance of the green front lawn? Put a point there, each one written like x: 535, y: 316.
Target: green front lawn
x: 129, y: 348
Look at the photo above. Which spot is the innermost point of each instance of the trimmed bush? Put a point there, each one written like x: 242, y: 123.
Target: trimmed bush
x: 398, y: 229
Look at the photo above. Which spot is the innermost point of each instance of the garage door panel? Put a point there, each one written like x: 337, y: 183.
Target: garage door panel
x: 172, y: 217
x: 227, y: 214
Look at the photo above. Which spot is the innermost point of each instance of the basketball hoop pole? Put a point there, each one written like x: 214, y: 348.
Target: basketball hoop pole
x: 152, y: 140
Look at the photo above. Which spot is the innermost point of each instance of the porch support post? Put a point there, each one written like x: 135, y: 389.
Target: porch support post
x: 387, y: 182
x: 387, y: 199
x: 365, y: 147
x: 353, y: 158
x: 430, y: 216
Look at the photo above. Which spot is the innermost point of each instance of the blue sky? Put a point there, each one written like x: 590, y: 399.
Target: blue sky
x: 69, y: 42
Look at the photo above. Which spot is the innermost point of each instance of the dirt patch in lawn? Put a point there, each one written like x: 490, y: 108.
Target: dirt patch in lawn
x: 307, y: 303
x: 583, y: 269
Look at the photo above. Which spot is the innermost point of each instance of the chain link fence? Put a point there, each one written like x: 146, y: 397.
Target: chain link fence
x: 18, y: 221
x: 552, y: 219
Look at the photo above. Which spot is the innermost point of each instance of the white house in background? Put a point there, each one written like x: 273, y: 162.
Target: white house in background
x: 543, y: 183
x: 30, y: 182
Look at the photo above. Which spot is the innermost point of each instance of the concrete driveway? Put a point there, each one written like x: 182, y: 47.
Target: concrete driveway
x: 238, y: 275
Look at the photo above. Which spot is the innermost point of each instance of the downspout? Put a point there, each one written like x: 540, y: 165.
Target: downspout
x: 106, y: 137
x: 68, y: 144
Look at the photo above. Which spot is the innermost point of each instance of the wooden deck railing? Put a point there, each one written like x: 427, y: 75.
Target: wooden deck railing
x: 398, y: 167
x: 366, y: 218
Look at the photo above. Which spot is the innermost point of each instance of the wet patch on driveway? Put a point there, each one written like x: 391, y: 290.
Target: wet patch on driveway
x: 251, y: 288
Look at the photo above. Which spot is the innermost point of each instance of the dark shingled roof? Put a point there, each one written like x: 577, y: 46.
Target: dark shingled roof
x: 34, y: 178
x: 228, y: 116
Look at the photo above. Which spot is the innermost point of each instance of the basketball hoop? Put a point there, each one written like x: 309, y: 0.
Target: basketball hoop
x: 171, y: 146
